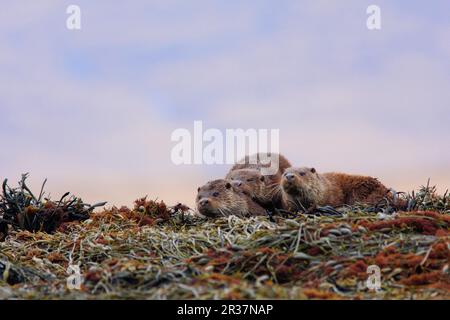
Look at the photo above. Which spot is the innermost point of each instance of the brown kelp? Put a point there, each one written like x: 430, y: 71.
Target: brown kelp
x: 21, y: 209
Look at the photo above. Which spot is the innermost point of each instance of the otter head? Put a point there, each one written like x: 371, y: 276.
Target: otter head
x: 250, y: 181
x: 217, y: 198
x: 295, y: 180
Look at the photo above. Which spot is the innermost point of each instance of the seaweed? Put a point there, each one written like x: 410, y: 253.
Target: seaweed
x: 156, y: 251
x: 21, y: 209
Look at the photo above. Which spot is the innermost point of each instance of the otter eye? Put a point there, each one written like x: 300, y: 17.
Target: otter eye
x: 302, y: 173
x: 249, y: 180
x: 215, y: 194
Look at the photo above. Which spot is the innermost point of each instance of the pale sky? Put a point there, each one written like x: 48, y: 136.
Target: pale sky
x: 93, y: 110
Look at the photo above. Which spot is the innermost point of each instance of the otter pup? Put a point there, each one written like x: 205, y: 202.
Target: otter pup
x: 255, y: 185
x: 304, y: 188
x: 220, y: 198
x: 248, y: 175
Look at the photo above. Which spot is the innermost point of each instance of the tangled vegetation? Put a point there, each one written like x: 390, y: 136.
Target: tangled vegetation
x: 21, y: 209
x: 153, y: 251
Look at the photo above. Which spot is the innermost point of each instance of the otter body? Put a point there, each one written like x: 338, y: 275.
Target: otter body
x: 221, y: 198
x: 248, y: 176
x: 303, y: 188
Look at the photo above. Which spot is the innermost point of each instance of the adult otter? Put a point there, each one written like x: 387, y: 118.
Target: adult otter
x: 305, y: 188
x: 220, y: 198
x: 248, y: 175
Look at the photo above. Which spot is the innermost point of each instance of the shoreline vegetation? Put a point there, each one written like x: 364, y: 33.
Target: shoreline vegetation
x: 154, y: 251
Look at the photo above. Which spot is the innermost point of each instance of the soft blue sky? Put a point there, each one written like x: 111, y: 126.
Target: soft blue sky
x: 93, y: 110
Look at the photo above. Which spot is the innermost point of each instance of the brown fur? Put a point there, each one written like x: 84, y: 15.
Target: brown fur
x: 248, y: 162
x: 246, y: 175
x: 222, y: 198
x: 251, y: 182
x: 308, y: 188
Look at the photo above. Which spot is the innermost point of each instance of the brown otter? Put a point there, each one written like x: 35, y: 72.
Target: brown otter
x: 304, y: 188
x: 249, y: 180
x: 248, y: 175
x: 261, y: 160
x: 220, y: 198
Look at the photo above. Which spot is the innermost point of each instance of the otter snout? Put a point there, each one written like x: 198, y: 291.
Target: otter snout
x: 289, y: 183
x: 205, y: 207
x: 237, y: 183
x: 203, y: 203
x: 289, y: 176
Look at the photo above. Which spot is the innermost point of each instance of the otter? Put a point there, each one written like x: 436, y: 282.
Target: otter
x: 262, y: 189
x: 305, y: 188
x: 248, y: 176
x: 254, y: 162
x: 221, y: 198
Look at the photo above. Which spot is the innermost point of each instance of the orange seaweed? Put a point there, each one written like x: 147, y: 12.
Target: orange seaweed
x: 357, y: 269
x: 421, y: 225
x: 223, y: 277
x: 440, y: 251
x: 56, y: 257
x: 422, y: 279
x: 398, y: 260
x: 319, y: 294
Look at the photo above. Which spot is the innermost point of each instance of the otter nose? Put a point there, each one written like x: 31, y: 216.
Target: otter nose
x: 203, y: 202
x: 238, y: 183
x: 289, y: 176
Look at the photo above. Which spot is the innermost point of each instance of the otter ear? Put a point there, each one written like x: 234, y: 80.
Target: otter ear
x: 228, y: 185
x: 262, y: 178
x: 198, y: 190
x: 313, y: 170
